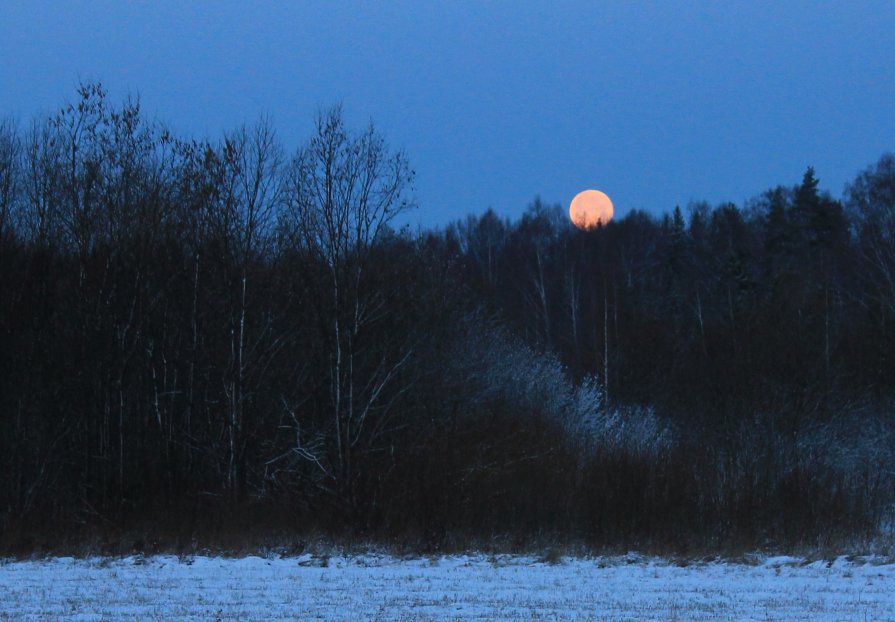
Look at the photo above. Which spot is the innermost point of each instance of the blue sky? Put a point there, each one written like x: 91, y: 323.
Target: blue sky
x: 655, y: 103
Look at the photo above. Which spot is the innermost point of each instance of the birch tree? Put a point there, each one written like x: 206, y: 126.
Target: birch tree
x: 345, y: 189
x: 248, y: 198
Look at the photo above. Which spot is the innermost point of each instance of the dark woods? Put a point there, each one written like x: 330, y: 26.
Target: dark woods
x: 206, y: 338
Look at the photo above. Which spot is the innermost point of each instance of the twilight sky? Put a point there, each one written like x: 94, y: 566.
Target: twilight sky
x: 655, y: 103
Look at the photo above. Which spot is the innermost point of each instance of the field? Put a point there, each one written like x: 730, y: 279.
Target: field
x: 374, y: 587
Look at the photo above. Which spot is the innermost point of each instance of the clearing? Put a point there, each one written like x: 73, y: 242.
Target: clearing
x: 477, y: 587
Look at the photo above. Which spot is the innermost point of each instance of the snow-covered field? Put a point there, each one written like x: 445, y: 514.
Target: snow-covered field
x: 371, y: 587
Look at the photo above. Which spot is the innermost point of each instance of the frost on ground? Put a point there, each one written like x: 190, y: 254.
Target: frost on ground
x: 371, y: 587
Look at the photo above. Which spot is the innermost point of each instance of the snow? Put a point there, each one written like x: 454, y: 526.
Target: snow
x: 477, y: 587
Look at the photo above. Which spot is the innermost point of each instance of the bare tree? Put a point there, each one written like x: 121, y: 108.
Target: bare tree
x: 10, y: 152
x: 42, y: 169
x: 871, y: 201
x: 248, y: 199
x: 345, y: 189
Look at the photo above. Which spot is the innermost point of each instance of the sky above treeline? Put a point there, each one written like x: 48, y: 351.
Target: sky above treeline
x: 655, y: 103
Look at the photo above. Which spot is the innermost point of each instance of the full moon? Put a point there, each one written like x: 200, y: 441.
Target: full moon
x: 590, y: 209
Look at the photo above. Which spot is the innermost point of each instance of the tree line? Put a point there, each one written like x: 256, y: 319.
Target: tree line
x: 206, y: 337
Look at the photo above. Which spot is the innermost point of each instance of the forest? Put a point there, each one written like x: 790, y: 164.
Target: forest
x: 203, y: 339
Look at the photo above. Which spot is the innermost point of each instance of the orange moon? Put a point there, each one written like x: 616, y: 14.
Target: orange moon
x: 590, y: 209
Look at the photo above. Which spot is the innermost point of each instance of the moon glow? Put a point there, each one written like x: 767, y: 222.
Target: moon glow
x: 590, y: 209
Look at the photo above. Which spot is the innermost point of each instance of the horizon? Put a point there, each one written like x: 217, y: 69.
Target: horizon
x: 495, y: 104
